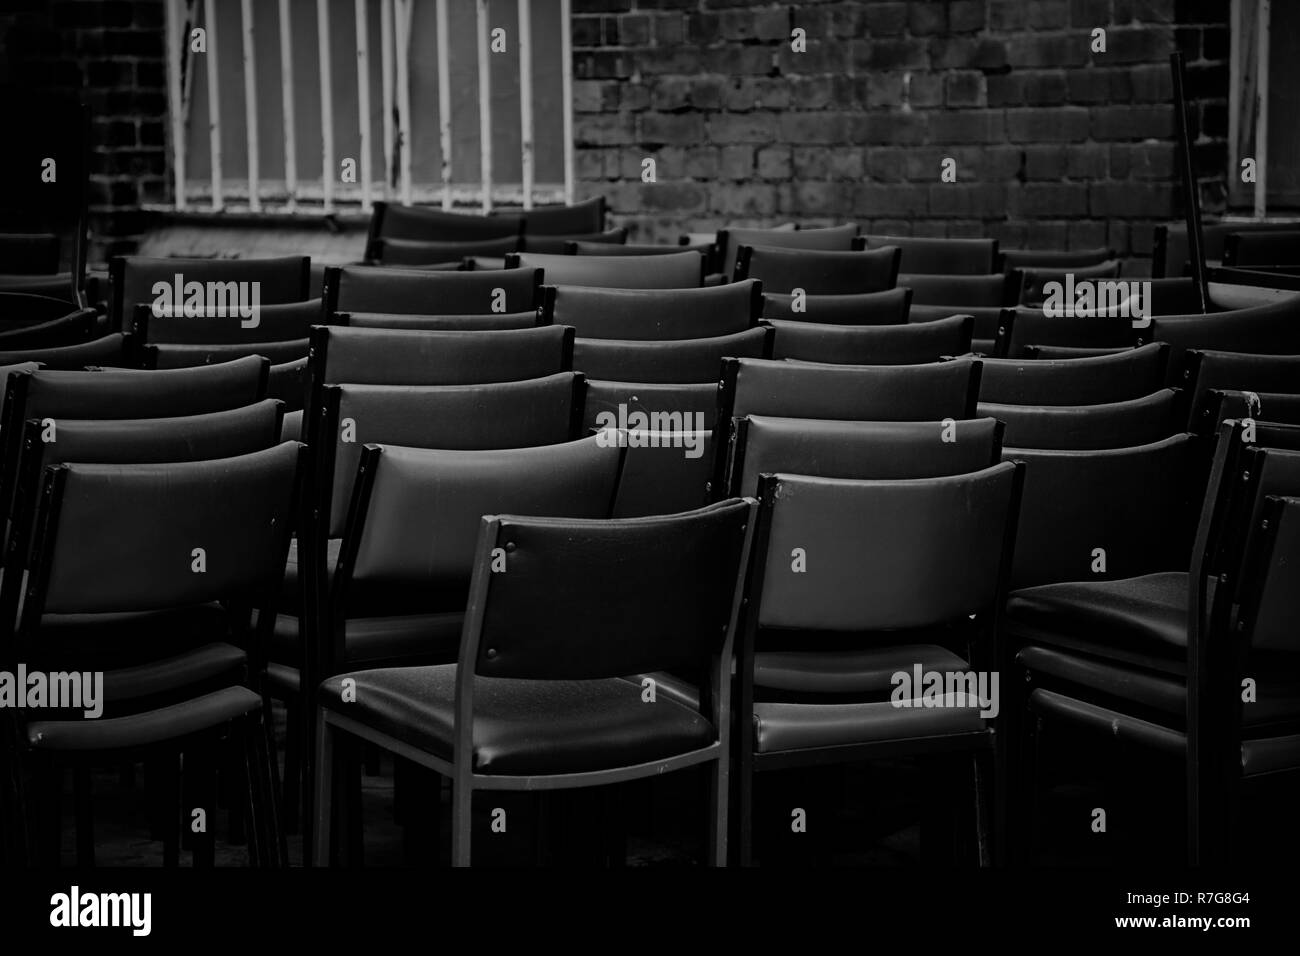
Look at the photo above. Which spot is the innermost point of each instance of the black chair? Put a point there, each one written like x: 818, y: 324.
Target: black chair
x: 924, y: 256
x: 816, y: 272
x: 1052, y: 259
x: 1032, y: 327
x: 1205, y: 369
x: 425, y: 224
x: 440, y: 323
x: 559, y: 683
x: 1158, y: 660
x: 1034, y: 279
x: 189, y: 356
x: 1103, y: 514
x: 828, y: 239
x: 911, y: 344
x: 610, y: 242
x: 1267, y: 329
x: 1068, y: 351
x: 580, y: 218
x: 29, y: 254
x: 1249, y: 249
x: 589, y: 247
x: 610, y: 404
x: 605, y: 313
x: 271, y: 323
x: 1170, y: 252
x: 21, y: 309
x: 871, y: 308
x: 76, y: 327
x: 417, y: 252
x: 288, y: 384
x: 991, y: 322
x: 425, y: 292
x: 115, y: 582
x: 132, y: 281
x: 115, y: 350
x: 962, y: 292
x: 1138, y: 421
x: 670, y: 361
x: 892, y: 451
x: 665, y: 470
x: 1084, y: 381
x: 1222, y: 404
x: 933, y: 569
x: 681, y: 270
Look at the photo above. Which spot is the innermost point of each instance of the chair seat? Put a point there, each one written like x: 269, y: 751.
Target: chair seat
x: 1142, y: 620
x: 780, y: 726
x: 523, y: 727
x: 862, y: 672
x: 150, y: 727
x: 414, y: 638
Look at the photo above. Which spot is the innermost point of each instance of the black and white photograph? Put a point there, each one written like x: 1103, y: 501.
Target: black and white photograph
x: 853, y: 439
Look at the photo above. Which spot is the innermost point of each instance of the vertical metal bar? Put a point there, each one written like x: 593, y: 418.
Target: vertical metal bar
x: 386, y: 72
x: 176, y: 43
x: 1236, y: 53
x: 286, y: 99
x: 214, y: 102
x: 444, y: 102
x: 328, y: 172
x: 363, y: 100
x: 403, y: 30
x: 566, y: 79
x: 525, y: 42
x: 250, y: 105
x: 484, y: 105
x: 1191, y: 190
x: 1261, y: 111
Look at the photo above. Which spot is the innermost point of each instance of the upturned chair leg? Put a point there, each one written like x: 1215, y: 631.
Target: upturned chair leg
x: 322, y: 786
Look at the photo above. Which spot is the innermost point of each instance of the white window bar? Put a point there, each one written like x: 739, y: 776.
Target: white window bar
x: 214, y: 102
x: 363, y: 101
x: 566, y: 80
x: 484, y: 106
x: 286, y: 97
x: 177, y: 43
x: 328, y: 170
x: 525, y: 42
x: 403, y: 39
x: 250, y: 106
x: 386, y: 72
x: 1261, y: 111
x: 444, y: 102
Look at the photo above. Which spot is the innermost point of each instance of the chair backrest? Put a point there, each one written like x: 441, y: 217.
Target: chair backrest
x: 541, y: 411
x: 1222, y: 404
x: 415, y: 514
x: 25, y: 307
x: 873, y: 345
x: 1138, y: 421
x: 542, y: 623
x: 1034, y: 279
x: 1105, y: 514
x: 419, y: 252
x: 577, y: 219
x: 189, y: 356
x: 649, y: 406
x: 413, y: 357
x: 134, y: 281
x: 35, y: 253
x: 675, y: 360
x: 936, y: 554
x: 962, y: 292
x: 991, y: 322
x: 1053, y: 259
x: 1170, y: 252
x: 1085, y: 381
x: 425, y: 224
x: 610, y: 242
x: 817, y: 272
x: 71, y: 329
x: 601, y: 313
x: 429, y: 292
x: 116, y: 538
x: 865, y: 450
x: 49, y: 442
x: 1262, y: 249
x: 444, y: 323
x: 681, y: 270
x: 114, y: 349
x: 664, y: 472
x: 829, y: 239
x: 1272, y: 603
x: 1267, y: 329
x: 1067, y: 352
x: 288, y: 383
x: 588, y: 247
x: 924, y: 256
x: 870, y: 308
x: 1033, y: 327
x: 1208, y: 369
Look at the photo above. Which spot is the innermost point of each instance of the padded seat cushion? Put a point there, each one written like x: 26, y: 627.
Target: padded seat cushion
x: 150, y: 727
x: 1141, y: 619
x: 779, y: 727
x: 523, y: 727
x: 863, y: 672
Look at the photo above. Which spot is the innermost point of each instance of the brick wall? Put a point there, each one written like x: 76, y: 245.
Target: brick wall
x: 1055, y: 146
x: 111, y: 51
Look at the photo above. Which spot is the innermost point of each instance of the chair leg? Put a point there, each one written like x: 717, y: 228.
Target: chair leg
x: 462, y: 817
x: 745, y: 806
x: 1028, y: 843
x: 323, y: 788
x: 293, y: 780
x: 84, y: 811
x: 984, y: 777
x: 277, y: 851
x: 48, y: 838
x: 201, y: 773
x: 719, y: 796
